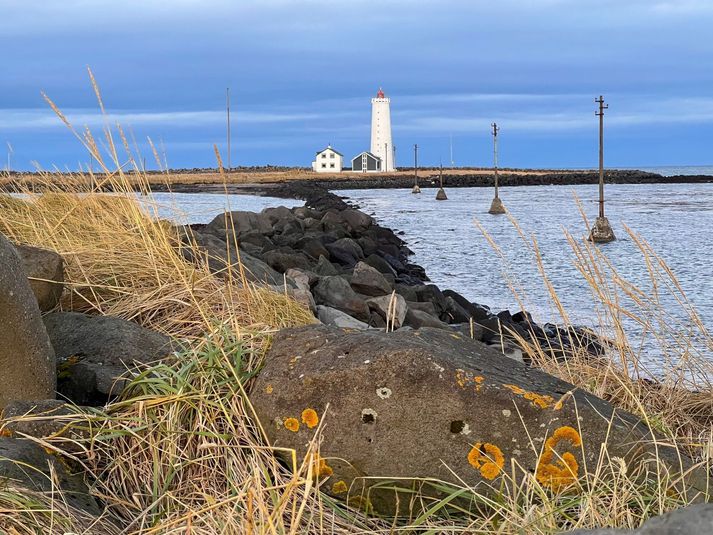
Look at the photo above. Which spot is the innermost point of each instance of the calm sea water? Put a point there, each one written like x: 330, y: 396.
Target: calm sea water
x: 676, y: 220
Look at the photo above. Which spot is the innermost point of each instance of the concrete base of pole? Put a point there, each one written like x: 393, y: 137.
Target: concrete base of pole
x: 497, y: 206
x: 416, y: 189
x: 602, y: 231
x: 441, y: 195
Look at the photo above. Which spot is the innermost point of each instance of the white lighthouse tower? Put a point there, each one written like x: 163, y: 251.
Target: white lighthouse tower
x: 381, y: 143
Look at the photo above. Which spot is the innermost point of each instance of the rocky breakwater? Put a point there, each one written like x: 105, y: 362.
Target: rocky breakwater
x: 353, y: 273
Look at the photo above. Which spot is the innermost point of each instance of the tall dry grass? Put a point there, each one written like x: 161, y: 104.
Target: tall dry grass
x: 180, y: 451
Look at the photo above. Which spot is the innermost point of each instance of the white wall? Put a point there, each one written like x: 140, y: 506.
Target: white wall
x: 333, y: 162
x: 381, y: 142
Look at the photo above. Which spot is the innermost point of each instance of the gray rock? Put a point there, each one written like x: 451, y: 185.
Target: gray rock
x: 391, y: 308
x: 337, y: 318
x: 335, y: 292
x: 45, y: 270
x: 429, y: 293
x: 325, y: 268
x: 281, y: 261
x: 428, y: 403
x: 454, y: 312
x: 368, y: 281
x: 345, y: 251
x: 25, y: 464
x: 418, y: 318
x: 356, y: 220
x: 313, y: 247
x: 26, y: 356
x: 475, y: 311
x: 302, y: 279
x: 304, y: 297
x: 232, y: 225
x: 381, y: 265
x: 691, y: 520
x: 279, y: 213
x: 96, y: 353
x: 44, y: 418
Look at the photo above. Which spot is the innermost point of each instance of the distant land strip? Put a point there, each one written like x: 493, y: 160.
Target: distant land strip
x: 271, y: 180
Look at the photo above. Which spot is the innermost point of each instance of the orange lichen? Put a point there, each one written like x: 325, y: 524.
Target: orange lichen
x: 464, y: 378
x: 564, y: 470
x: 538, y: 400
x: 5, y: 433
x: 340, y: 487
x: 310, y: 418
x: 487, y: 458
x: 269, y: 389
x: 291, y: 424
x: 320, y: 468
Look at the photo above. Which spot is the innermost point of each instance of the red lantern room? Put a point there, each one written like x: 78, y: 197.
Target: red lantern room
x: 380, y: 93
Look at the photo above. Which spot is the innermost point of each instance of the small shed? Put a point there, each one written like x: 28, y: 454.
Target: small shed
x: 328, y: 160
x: 366, y: 162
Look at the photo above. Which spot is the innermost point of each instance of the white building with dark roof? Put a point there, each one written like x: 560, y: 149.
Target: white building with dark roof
x: 366, y: 162
x: 328, y: 160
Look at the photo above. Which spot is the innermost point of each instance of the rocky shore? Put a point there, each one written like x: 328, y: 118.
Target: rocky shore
x: 401, y: 378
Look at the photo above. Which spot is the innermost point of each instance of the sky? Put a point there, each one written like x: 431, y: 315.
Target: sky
x: 302, y: 73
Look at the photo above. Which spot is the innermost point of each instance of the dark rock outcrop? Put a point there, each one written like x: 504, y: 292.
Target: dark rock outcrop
x: 691, y: 520
x: 26, y: 355
x: 45, y: 270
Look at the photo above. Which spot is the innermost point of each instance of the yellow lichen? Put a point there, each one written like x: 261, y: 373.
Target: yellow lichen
x: 464, y: 378
x: 269, y: 389
x: 320, y: 468
x: 538, y: 400
x: 361, y: 502
x: 310, y: 418
x: 340, y: 487
x: 487, y: 458
x: 5, y: 433
x: 291, y: 424
x: 564, y: 470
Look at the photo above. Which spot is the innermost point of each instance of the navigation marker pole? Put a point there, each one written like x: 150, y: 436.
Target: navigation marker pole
x: 601, y: 231
x: 441, y: 195
x: 415, y: 189
x: 496, y: 207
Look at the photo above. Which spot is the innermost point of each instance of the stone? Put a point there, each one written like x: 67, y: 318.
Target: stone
x: 302, y: 279
x: 441, y: 195
x: 279, y: 213
x: 475, y: 311
x: 26, y: 356
x: 257, y: 239
x: 692, y: 520
x: 336, y: 292
x: 325, y: 268
x: 491, y: 328
x: 223, y: 259
x: 428, y: 308
x: 345, y: 251
x: 96, y: 353
x: 408, y: 293
x: 332, y: 220
x: 356, y: 220
x: 281, y: 261
x: 25, y: 464
x: 337, y: 318
x: 45, y: 270
x: 44, y: 418
x: 392, y: 308
x: 433, y: 403
x: 313, y: 247
x: 368, y: 245
x: 497, y: 207
x: 231, y: 225
x: 368, y: 281
x: 303, y: 297
x: 431, y: 294
x: 418, y: 318
x: 381, y: 265
x: 454, y: 312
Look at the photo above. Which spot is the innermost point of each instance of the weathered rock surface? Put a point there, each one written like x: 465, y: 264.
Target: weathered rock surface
x: 94, y: 352
x: 391, y: 309
x: 25, y: 464
x: 232, y: 225
x: 691, y: 520
x: 45, y: 270
x: 432, y: 403
x: 26, y: 356
x: 368, y: 281
x: 335, y: 292
x: 337, y: 318
x: 44, y: 418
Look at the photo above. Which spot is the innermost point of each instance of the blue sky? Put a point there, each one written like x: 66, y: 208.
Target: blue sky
x: 302, y: 74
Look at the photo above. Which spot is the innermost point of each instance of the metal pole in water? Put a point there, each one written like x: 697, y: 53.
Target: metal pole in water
x: 496, y: 207
x: 601, y: 231
x: 415, y: 189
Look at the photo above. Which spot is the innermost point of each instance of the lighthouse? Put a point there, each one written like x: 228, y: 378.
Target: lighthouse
x: 381, y: 143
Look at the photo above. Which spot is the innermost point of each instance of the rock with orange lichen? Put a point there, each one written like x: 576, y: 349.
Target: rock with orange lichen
x: 432, y: 404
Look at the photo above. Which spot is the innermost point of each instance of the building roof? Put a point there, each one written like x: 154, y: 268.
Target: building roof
x: 329, y: 147
x: 368, y: 154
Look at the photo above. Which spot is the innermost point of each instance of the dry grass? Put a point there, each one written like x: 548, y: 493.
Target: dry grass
x: 181, y: 451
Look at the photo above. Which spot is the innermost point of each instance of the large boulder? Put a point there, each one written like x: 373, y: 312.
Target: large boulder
x: 335, y: 292
x: 691, y: 520
x: 368, y: 281
x: 345, y: 251
x: 435, y: 404
x: 337, y: 318
x: 96, y: 353
x: 281, y: 261
x: 45, y: 270
x: 356, y: 220
x: 26, y: 355
x: 391, y: 308
x: 231, y: 225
